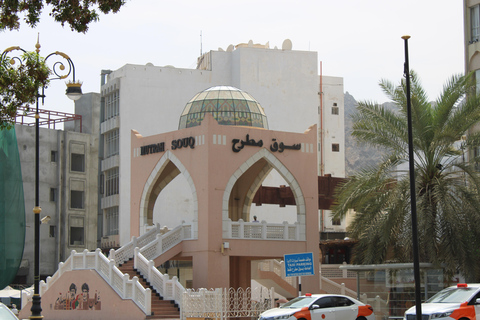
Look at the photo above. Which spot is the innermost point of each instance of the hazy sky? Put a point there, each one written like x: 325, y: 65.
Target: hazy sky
x: 357, y: 40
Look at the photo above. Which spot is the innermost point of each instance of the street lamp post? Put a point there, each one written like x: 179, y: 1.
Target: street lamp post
x: 74, y: 92
x: 413, y: 201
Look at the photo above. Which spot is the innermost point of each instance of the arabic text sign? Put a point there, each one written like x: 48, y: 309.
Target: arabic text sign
x: 299, y: 264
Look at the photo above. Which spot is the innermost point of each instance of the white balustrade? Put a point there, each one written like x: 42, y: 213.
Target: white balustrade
x: 125, y: 288
x: 169, y: 289
x: 261, y: 230
x: 278, y: 268
x: 125, y: 253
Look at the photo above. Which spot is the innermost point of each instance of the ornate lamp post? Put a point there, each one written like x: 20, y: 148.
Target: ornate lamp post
x: 74, y: 92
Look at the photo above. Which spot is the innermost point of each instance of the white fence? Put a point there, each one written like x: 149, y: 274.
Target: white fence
x: 226, y: 303
x: 125, y: 288
x: 262, y: 230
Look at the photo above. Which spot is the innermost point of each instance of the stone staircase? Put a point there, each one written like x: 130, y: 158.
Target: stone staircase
x: 161, y: 309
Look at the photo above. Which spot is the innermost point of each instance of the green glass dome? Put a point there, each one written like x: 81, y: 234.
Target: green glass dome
x: 228, y: 105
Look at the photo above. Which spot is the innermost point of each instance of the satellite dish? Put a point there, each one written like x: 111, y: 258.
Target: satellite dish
x: 149, y: 64
x: 250, y: 43
x: 287, y: 44
x: 230, y: 48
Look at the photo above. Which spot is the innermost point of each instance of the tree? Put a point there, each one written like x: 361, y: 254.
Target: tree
x: 78, y: 14
x: 19, y: 86
x: 447, y: 184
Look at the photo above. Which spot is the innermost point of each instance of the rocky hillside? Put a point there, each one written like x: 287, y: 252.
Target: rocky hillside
x: 356, y: 155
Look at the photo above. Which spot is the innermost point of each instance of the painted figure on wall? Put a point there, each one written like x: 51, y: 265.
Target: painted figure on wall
x: 82, y: 301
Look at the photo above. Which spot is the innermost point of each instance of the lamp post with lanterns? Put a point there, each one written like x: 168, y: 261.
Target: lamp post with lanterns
x: 62, y: 68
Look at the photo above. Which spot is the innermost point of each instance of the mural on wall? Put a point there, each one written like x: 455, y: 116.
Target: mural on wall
x: 84, y: 300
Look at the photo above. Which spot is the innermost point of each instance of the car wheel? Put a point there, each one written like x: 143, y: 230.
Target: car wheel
x: 361, y: 318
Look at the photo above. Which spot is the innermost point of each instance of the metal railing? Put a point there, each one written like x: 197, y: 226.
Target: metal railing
x: 226, y: 303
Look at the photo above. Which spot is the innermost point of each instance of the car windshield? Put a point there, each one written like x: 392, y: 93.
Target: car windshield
x: 299, y: 302
x: 6, y: 314
x: 452, y: 295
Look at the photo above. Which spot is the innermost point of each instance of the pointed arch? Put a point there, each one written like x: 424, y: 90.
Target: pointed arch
x: 166, y: 169
x: 475, y: 61
x: 272, y: 162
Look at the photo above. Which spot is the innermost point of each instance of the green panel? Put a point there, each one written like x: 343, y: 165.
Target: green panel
x: 12, y: 208
x: 225, y: 105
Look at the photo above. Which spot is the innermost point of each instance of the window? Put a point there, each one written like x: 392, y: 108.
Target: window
x: 101, y: 183
x: 476, y: 154
x: 336, y: 222
x: 111, y: 217
x: 51, y: 234
x: 77, y: 162
x: 53, y: 194
x: 335, y: 147
x: 326, y: 302
x: 477, y: 80
x: 111, y: 143
x: 76, y: 199
x: 53, y: 156
x: 111, y: 182
x: 112, y: 105
x: 335, y: 109
x: 475, y: 23
x: 343, y: 302
x: 76, y: 236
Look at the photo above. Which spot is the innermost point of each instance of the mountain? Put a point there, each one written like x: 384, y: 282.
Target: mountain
x: 357, y: 155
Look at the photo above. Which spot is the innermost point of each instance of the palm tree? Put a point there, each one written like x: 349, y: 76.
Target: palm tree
x: 447, y: 184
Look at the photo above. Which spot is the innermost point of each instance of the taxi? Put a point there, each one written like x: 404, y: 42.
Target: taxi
x: 320, y: 307
x: 457, y: 302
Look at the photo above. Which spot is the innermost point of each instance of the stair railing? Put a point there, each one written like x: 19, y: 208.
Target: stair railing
x: 123, y: 286
x: 125, y: 253
x: 331, y: 286
x: 164, y: 242
x: 278, y: 268
x: 169, y: 289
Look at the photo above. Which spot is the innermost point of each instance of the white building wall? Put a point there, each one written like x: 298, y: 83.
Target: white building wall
x: 285, y: 83
x: 333, y: 129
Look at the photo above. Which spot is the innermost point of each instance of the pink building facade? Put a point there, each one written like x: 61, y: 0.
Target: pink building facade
x: 224, y: 167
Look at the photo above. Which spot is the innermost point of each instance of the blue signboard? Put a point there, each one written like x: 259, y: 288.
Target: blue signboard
x: 299, y: 264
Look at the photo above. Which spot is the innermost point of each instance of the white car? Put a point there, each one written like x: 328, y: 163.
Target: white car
x: 6, y: 313
x: 321, y: 307
x: 457, y: 302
